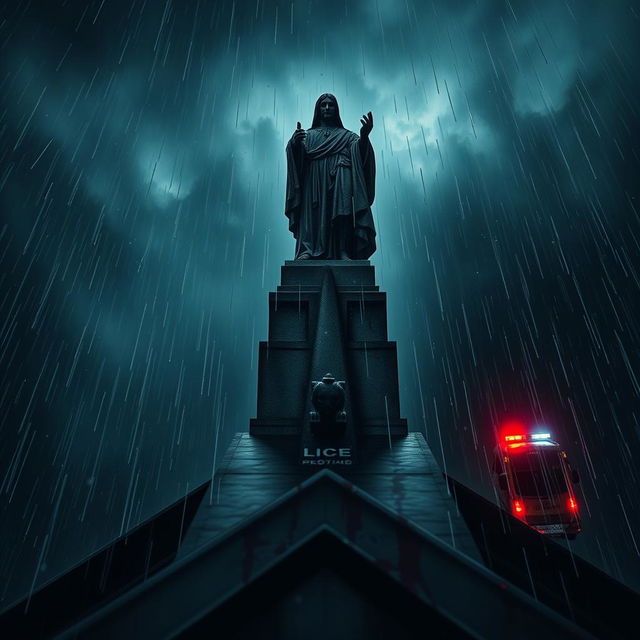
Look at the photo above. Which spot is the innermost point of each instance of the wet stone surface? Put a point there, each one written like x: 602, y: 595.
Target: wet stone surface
x: 404, y: 478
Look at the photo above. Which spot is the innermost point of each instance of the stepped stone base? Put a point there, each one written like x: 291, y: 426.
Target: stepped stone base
x: 303, y: 312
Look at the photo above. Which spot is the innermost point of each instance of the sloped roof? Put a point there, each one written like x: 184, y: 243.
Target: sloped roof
x: 104, y: 574
x: 324, y: 517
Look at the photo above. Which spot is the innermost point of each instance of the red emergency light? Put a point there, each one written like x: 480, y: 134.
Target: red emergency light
x: 526, y: 437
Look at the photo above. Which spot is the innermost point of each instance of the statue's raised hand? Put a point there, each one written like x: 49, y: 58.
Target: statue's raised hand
x: 298, y: 135
x: 367, y: 125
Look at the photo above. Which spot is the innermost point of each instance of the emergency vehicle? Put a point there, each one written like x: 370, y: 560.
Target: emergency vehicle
x: 535, y: 483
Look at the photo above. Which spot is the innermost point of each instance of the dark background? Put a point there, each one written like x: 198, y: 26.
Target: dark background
x: 142, y: 185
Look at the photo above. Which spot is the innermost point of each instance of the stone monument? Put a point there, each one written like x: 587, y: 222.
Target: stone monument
x: 331, y: 175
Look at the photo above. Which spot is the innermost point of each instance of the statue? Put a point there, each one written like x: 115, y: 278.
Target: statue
x: 331, y: 186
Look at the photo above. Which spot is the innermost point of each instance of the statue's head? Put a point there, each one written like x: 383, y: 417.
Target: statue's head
x: 327, y: 112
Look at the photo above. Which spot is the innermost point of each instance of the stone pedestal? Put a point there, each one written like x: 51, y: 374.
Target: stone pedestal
x: 328, y: 316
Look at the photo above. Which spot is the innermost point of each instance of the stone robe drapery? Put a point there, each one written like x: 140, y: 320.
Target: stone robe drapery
x: 330, y: 189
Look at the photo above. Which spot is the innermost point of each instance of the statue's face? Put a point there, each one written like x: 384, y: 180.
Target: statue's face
x: 328, y: 109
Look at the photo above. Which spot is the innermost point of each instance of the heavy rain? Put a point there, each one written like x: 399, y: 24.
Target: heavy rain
x: 142, y: 177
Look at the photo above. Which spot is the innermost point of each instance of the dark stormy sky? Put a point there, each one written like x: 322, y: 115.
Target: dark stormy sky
x: 141, y: 192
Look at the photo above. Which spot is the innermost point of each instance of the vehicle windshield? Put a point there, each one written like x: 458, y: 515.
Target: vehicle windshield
x: 538, y: 474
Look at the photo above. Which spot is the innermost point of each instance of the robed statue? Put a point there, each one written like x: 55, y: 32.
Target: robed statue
x: 330, y: 187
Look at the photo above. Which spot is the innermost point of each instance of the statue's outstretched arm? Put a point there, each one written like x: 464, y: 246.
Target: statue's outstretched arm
x: 365, y: 130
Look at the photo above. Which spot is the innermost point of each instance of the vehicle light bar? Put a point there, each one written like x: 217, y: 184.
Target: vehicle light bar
x: 531, y: 437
